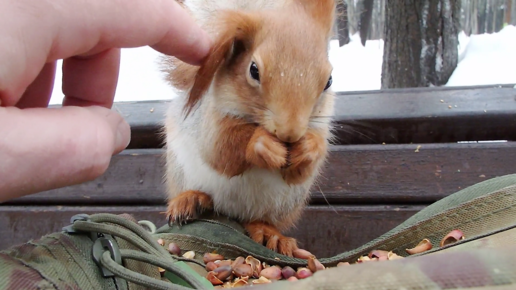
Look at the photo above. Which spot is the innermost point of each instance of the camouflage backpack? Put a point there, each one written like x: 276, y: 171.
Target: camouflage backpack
x: 105, y: 251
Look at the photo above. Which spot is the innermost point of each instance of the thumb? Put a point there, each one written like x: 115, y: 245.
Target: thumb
x: 42, y: 148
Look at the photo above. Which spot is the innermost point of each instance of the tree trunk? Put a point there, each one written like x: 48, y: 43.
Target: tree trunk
x: 342, y: 22
x: 352, y: 16
x: 500, y: 15
x: 365, y: 20
x: 508, y: 10
x: 513, y: 12
x: 421, y: 38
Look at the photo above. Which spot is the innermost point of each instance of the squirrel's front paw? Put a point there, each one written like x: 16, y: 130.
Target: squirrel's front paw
x: 265, y: 150
x: 304, y: 156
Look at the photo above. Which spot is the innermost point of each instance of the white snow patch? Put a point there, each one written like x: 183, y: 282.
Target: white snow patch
x: 487, y: 59
x: 140, y: 78
x: 483, y: 60
x: 356, y: 68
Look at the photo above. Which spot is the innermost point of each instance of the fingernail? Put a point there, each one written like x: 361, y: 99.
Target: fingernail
x: 123, y: 136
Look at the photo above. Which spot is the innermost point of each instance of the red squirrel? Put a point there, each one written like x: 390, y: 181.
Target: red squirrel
x: 249, y: 131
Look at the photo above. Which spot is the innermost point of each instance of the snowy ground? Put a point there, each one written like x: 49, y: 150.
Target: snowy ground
x: 483, y: 60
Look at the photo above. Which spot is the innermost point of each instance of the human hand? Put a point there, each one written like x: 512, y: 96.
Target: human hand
x: 42, y: 148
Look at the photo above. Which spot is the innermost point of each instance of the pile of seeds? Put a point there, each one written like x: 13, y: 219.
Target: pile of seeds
x: 227, y: 273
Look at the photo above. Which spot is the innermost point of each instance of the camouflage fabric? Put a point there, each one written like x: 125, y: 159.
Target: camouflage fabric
x: 486, y: 259
x: 65, y: 260
x: 56, y: 261
x: 483, y: 268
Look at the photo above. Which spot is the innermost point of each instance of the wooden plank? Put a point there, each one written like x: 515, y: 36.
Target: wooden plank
x: 427, y: 115
x: 423, y: 115
x: 354, y: 174
x: 410, y: 173
x: 324, y: 230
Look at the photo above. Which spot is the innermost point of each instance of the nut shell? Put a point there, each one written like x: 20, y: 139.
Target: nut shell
x: 212, y: 277
x: 378, y: 254
x: 243, y: 270
x: 423, y: 246
x: 262, y: 280
x: 238, y: 261
x: 303, y: 273
x: 288, y: 272
x: 210, y: 266
x: 223, y: 272
x: 271, y: 273
x: 189, y: 255
x: 301, y: 254
x: 211, y: 257
x: 452, y: 237
x: 314, y: 265
x: 174, y: 249
x: 255, y: 264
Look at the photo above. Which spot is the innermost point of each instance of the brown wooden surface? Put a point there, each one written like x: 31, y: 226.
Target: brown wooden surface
x: 427, y: 115
x: 424, y: 115
x: 354, y: 174
x: 324, y: 230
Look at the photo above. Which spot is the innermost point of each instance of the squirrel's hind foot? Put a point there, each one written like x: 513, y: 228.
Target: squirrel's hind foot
x: 262, y: 233
x: 186, y: 205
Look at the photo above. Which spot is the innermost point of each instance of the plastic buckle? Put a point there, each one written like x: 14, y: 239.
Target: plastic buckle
x: 78, y: 217
x: 101, y: 245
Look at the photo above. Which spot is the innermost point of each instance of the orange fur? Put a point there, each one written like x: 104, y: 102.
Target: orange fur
x: 228, y: 156
x: 240, y: 30
x: 183, y: 75
x: 261, y: 232
x: 186, y: 205
x: 304, y: 155
x: 318, y: 9
x: 265, y: 150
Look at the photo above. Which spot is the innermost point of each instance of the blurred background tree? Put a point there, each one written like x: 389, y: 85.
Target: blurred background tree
x: 420, y: 36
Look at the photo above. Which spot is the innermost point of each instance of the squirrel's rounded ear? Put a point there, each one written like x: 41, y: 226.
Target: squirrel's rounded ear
x: 322, y: 11
x: 237, y: 34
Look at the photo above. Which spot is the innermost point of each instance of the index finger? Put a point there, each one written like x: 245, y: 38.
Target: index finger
x: 35, y: 32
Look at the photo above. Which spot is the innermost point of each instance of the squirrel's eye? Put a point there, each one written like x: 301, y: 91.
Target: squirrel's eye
x: 253, y: 70
x: 328, y: 84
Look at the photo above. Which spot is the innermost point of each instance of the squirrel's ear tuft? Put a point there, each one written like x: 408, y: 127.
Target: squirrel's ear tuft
x: 237, y: 35
x: 322, y: 11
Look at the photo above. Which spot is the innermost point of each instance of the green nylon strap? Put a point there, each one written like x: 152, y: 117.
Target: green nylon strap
x: 151, y: 283
x: 153, y: 253
x: 135, y: 228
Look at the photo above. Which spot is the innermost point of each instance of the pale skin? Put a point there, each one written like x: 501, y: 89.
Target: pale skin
x: 41, y: 148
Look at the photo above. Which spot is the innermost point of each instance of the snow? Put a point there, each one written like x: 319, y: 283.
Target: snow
x: 140, y: 78
x: 356, y: 68
x: 487, y: 59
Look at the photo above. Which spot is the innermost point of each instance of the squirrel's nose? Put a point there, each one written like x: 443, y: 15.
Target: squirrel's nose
x: 289, y: 135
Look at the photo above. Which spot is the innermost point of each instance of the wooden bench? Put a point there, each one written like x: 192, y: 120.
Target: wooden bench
x: 398, y: 151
